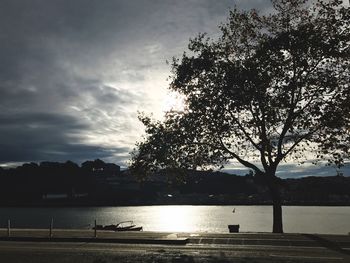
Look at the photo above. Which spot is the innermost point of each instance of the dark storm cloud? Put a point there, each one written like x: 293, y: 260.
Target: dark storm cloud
x: 33, y: 129
x: 25, y: 132
x: 73, y: 74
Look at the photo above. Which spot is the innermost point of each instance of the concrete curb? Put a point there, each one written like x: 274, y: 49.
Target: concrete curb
x: 164, y: 241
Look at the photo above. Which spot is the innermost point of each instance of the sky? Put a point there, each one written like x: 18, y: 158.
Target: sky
x: 75, y: 74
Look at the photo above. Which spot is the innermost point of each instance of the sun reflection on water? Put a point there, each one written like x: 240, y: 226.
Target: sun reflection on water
x: 175, y: 218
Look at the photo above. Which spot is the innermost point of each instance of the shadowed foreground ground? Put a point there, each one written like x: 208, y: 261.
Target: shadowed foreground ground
x: 81, y: 246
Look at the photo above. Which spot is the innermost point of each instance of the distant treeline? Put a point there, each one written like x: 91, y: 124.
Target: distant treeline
x: 32, y: 181
x: 222, y: 188
x: 99, y: 183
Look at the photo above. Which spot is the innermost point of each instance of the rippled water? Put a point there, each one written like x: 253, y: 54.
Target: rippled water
x: 297, y: 219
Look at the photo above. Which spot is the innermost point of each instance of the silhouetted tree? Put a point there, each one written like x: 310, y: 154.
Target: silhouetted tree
x: 271, y: 88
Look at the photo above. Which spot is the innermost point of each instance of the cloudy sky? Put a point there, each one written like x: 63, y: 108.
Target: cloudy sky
x: 74, y: 74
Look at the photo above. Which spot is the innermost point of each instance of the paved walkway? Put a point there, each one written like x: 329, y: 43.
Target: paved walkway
x: 81, y: 235
x: 81, y: 245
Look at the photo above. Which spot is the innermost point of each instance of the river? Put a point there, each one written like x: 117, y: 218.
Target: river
x: 296, y: 219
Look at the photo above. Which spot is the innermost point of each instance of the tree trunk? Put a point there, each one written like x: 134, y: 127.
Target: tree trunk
x: 277, y: 209
x: 277, y: 216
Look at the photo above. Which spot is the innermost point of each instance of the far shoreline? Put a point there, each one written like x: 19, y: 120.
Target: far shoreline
x: 85, y: 205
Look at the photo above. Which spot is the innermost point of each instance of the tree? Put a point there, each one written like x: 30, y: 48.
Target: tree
x: 271, y: 88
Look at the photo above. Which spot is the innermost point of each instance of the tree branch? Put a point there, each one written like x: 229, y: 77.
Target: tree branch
x: 245, y: 132
x: 298, y: 141
x: 240, y: 160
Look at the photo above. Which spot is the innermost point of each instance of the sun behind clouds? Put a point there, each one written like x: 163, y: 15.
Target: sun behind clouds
x: 173, y: 101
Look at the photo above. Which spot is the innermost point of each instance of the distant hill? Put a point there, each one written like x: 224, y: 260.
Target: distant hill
x: 99, y: 183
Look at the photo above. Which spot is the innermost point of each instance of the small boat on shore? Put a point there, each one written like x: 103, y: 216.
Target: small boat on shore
x: 121, y: 226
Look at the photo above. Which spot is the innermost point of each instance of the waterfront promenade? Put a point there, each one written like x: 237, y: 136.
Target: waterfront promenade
x: 36, y: 245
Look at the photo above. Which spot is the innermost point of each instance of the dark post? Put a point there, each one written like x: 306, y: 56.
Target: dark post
x: 95, y: 229
x: 8, y: 228
x: 51, y: 226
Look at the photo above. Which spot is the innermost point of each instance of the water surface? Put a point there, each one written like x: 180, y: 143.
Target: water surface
x: 297, y: 219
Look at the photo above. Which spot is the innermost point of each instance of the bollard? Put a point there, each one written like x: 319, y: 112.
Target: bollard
x: 51, y: 226
x: 8, y: 228
x: 95, y: 229
x: 233, y: 228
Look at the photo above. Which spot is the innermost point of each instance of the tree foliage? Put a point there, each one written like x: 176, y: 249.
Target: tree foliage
x: 271, y: 88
